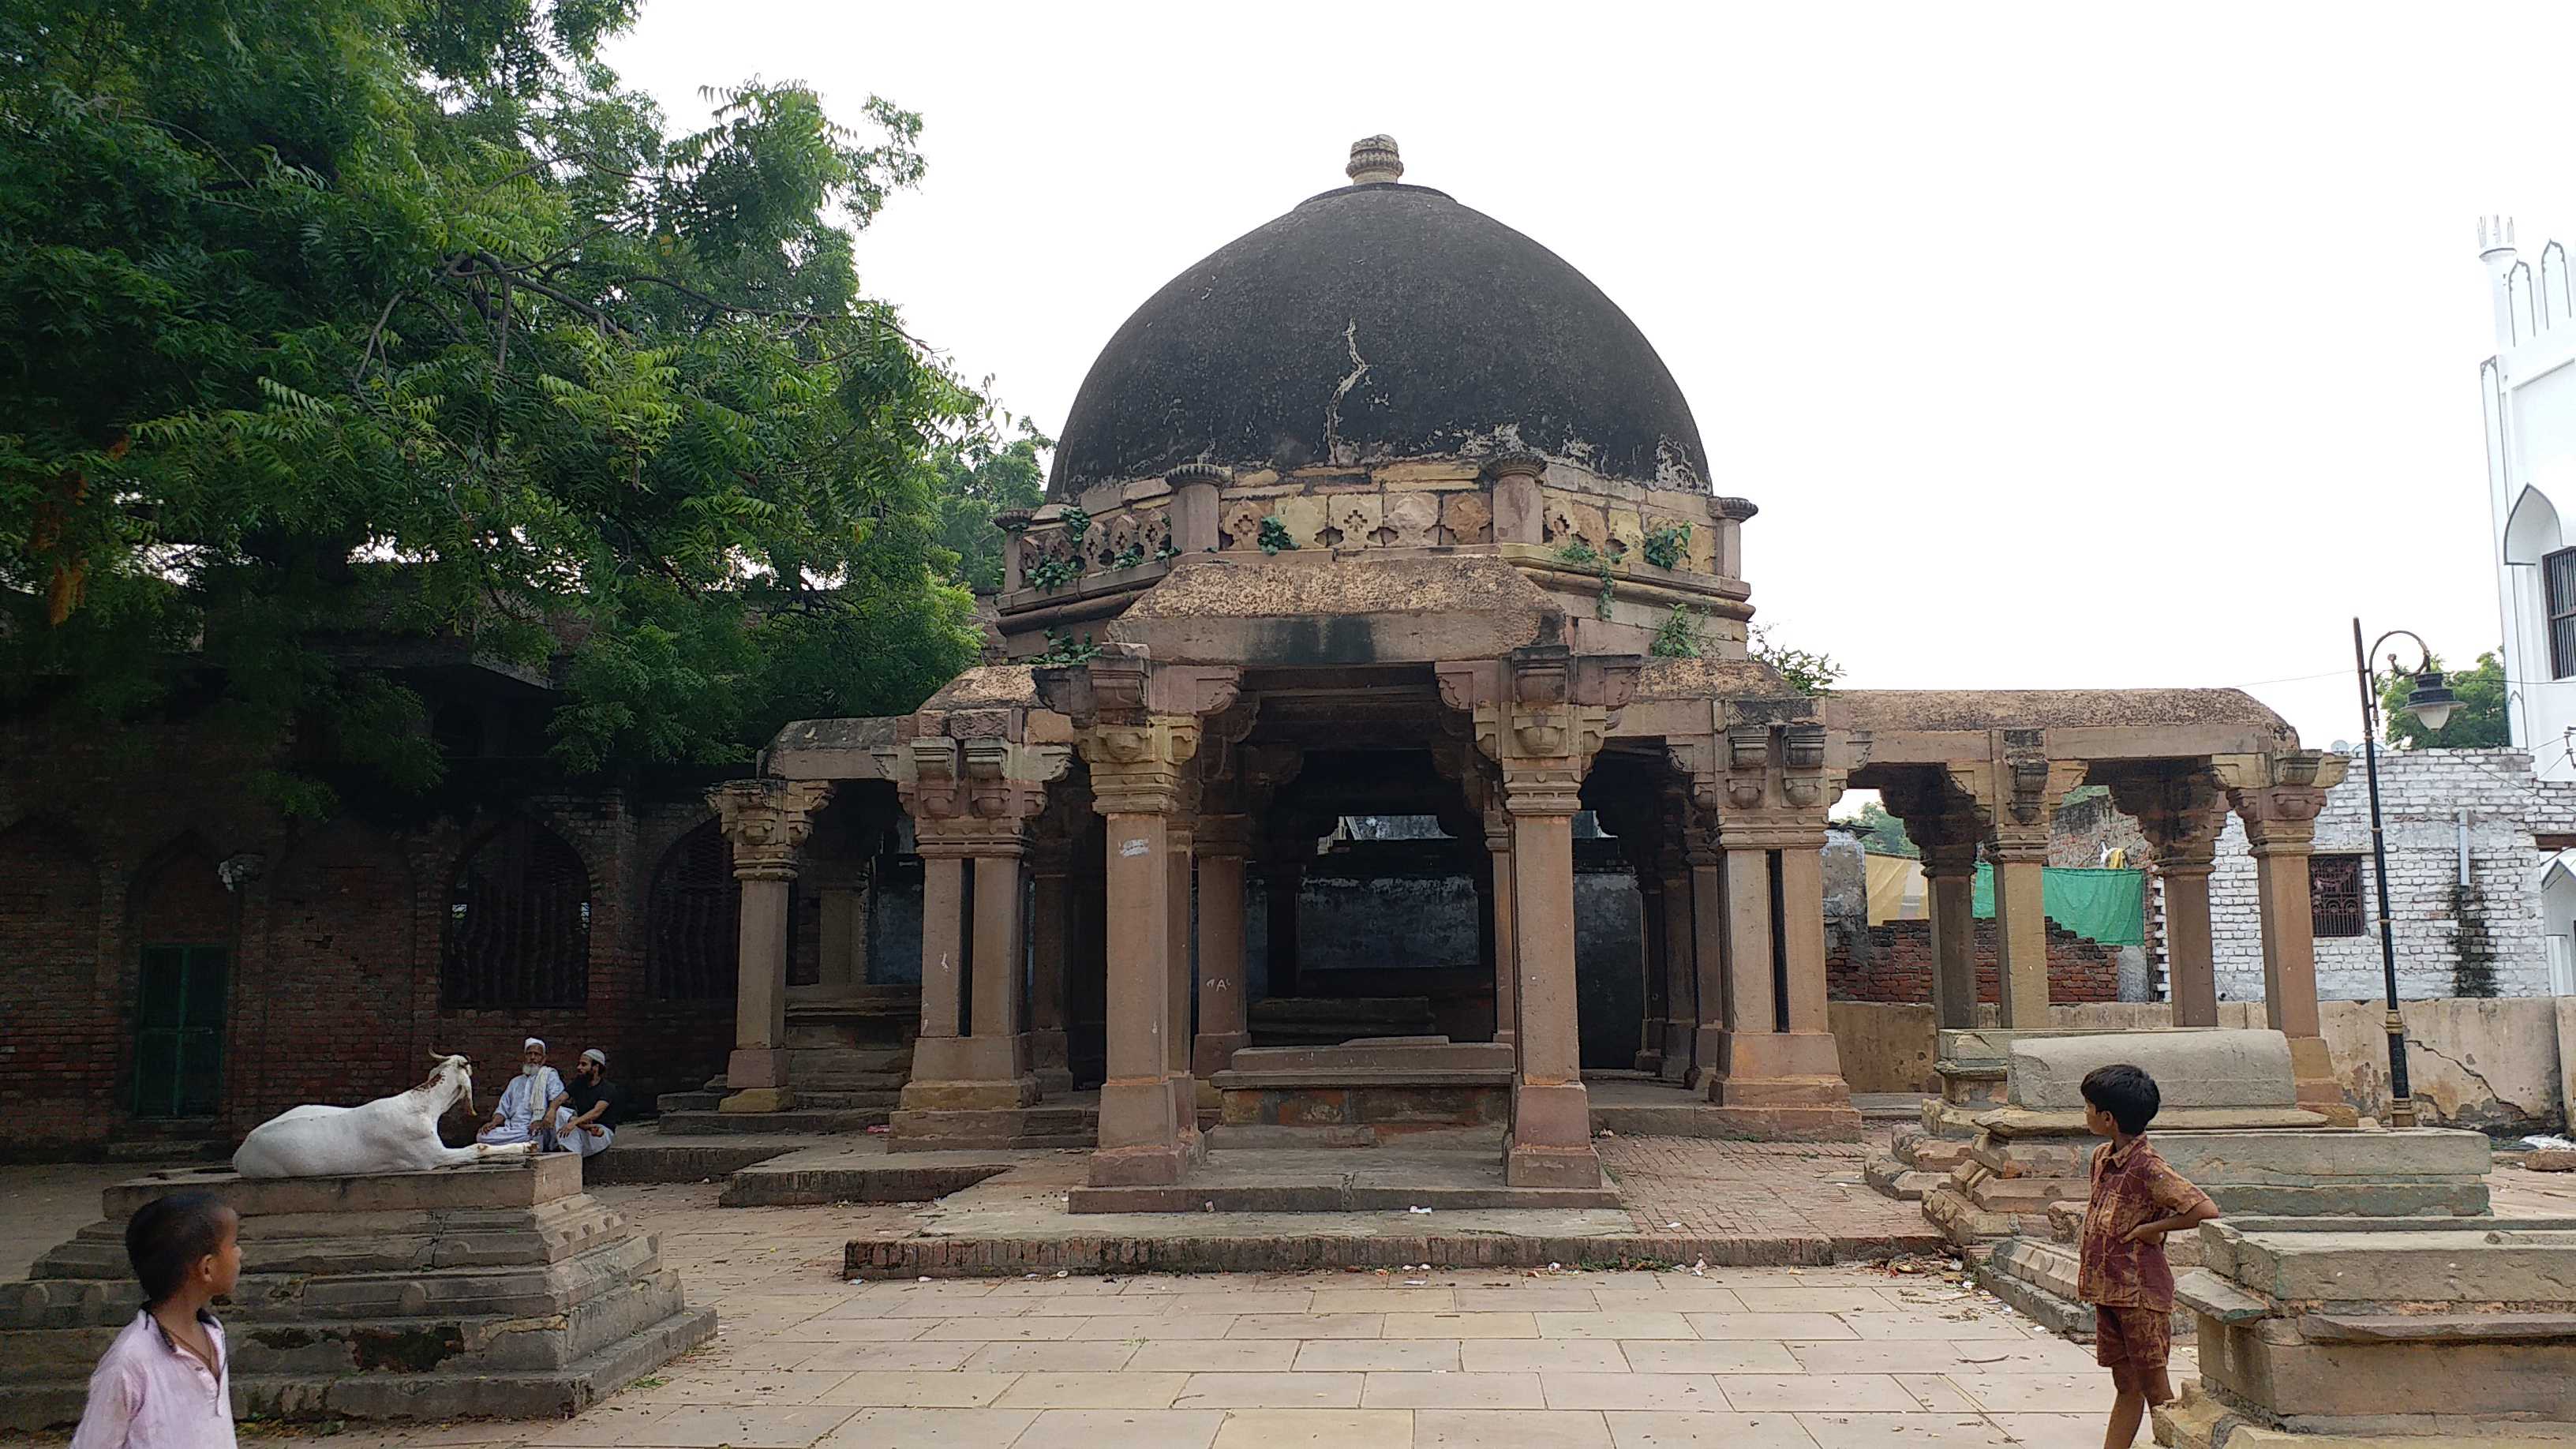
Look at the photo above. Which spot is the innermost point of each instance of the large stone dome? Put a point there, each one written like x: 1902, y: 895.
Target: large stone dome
x: 1376, y: 322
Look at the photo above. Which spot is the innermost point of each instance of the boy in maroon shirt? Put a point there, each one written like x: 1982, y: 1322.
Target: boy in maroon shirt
x: 2136, y: 1200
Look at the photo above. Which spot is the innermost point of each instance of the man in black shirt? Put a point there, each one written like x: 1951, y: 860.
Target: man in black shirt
x: 597, y: 1106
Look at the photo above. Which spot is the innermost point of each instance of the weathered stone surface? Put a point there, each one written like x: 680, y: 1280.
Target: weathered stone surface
x: 501, y: 1290
x: 2202, y: 1068
x: 2499, y: 1264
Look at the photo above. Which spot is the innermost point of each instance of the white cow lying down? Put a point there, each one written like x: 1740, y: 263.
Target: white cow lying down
x: 390, y: 1134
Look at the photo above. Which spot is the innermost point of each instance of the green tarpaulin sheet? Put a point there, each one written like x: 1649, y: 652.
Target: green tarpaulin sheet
x: 2109, y: 906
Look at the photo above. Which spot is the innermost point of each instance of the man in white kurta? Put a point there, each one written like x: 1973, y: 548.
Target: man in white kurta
x: 521, y: 1115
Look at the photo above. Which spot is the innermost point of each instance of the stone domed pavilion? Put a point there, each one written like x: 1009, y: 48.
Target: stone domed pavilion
x: 1382, y: 509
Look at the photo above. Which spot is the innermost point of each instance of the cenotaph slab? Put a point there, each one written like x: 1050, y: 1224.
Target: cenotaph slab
x: 498, y: 1290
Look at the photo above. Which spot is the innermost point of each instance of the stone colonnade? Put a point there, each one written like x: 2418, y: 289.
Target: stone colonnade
x: 2004, y: 807
x: 1737, y: 950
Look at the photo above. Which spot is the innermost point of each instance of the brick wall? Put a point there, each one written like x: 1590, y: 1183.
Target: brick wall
x: 1893, y: 962
x: 111, y: 841
x: 2484, y: 939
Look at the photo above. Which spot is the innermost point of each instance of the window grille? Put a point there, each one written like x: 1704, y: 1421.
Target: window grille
x: 695, y: 920
x: 2558, y: 576
x: 518, y: 924
x: 2334, y: 895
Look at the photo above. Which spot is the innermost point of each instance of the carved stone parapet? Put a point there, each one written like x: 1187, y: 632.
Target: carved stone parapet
x: 767, y: 822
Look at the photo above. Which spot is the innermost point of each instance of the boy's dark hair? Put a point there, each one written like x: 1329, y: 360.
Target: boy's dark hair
x: 168, y: 1235
x: 2127, y: 1093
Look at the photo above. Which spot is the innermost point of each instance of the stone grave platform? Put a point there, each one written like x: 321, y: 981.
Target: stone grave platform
x: 1365, y: 1092
x: 1973, y: 1066
x: 496, y: 1290
x: 2405, y: 1333
x: 1328, y: 1181
x: 2231, y: 1126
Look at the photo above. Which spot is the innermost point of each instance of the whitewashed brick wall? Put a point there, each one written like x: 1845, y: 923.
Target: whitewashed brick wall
x: 2422, y: 794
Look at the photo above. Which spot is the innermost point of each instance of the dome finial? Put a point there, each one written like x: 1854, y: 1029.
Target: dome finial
x: 1373, y: 160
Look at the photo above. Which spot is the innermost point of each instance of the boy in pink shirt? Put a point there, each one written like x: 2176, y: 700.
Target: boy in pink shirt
x: 165, y: 1382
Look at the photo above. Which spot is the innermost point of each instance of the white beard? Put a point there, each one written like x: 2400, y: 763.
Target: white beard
x: 530, y: 1071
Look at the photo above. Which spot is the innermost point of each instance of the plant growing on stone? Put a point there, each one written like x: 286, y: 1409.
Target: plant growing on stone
x: 1807, y: 671
x: 1168, y: 550
x: 1077, y: 522
x: 1667, y: 543
x: 1052, y: 573
x: 1129, y: 557
x: 1274, y: 535
x: 1679, y: 636
x: 1063, y: 648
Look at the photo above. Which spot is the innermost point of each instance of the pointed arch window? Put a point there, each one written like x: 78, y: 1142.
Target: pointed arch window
x: 2558, y: 579
x: 693, y: 941
x: 518, y: 924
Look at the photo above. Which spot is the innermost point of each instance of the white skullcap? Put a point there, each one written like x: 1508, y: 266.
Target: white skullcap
x: 536, y: 1042
x: 594, y: 1054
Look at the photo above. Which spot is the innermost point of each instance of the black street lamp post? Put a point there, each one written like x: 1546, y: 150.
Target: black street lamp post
x: 2430, y: 702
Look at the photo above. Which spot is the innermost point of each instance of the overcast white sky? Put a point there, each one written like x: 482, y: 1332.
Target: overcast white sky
x: 2061, y: 346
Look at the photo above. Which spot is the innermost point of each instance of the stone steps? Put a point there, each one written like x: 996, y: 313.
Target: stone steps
x: 801, y: 1120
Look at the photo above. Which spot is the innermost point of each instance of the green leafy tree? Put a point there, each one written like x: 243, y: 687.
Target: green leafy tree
x: 2478, y: 723
x: 974, y: 484
x: 334, y: 320
x: 1881, y: 833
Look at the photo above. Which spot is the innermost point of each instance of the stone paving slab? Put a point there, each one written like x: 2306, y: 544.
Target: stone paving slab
x: 1739, y: 1357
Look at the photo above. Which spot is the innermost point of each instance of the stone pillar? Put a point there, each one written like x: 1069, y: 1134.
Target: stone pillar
x: 1708, y: 955
x: 1283, y: 879
x: 1014, y: 524
x: 1195, y: 491
x: 943, y: 938
x: 765, y: 821
x: 2280, y: 827
x: 1182, y: 998
x: 1498, y: 853
x: 1802, y: 936
x: 1050, y: 931
x: 1681, y: 972
x: 2021, y: 930
x: 1221, y: 844
x: 1135, y: 781
x: 1520, y: 509
x: 1950, y: 883
x: 2190, y: 954
x: 973, y: 949
x: 1551, y: 1142
x: 1654, y: 1026
x: 1752, y: 1006
x: 1779, y: 1069
x: 1540, y: 714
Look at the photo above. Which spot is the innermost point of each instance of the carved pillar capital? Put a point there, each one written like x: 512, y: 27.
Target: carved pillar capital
x: 1138, y: 768
x: 2178, y: 808
x: 767, y: 822
x: 2278, y: 796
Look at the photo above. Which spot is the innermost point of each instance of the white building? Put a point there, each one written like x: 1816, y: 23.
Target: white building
x: 2529, y: 391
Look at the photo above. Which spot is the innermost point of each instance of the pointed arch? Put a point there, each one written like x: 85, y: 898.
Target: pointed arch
x: 2531, y: 530
x: 693, y: 916
x: 183, y: 922
x: 517, y: 928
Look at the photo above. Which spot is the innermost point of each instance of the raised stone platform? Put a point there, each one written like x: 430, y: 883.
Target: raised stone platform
x: 2371, y: 1330
x: 1367, y: 1091
x: 500, y: 1290
x: 859, y: 1172
x: 1291, y: 1181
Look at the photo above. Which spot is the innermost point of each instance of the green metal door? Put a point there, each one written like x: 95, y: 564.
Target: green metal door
x: 179, y: 1031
